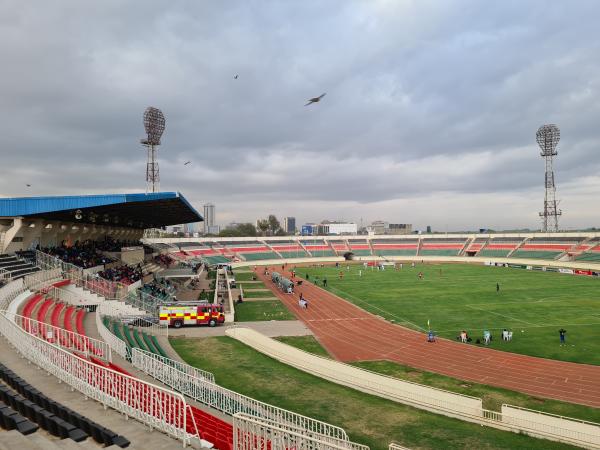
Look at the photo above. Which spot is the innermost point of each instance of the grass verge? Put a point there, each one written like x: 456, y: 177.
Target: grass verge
x: 262, y: 310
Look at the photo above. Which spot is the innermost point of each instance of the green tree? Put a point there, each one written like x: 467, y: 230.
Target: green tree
x: 274, y: 225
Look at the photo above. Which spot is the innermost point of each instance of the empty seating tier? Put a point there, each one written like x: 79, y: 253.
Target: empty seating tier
x: 441, y: 247
x: 395, y: 247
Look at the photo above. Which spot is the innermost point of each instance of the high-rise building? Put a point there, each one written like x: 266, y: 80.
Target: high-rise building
x: 209, y: 217
x: 289, y: 225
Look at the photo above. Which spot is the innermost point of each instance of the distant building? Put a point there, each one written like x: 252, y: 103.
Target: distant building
x: 209, y: 217
x: 289, y: 225
x: 429, y: 228
x: 215, y: 229
x: 382, y: 227
x: 330, y: 227
x: 308, y: 229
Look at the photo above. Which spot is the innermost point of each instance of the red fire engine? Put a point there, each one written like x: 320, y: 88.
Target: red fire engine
x: 192, y: 313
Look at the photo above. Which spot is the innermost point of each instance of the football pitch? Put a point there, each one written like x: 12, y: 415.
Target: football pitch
x: 453, y: 297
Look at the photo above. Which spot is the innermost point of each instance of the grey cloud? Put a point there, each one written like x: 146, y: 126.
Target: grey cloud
x: 419, y: 96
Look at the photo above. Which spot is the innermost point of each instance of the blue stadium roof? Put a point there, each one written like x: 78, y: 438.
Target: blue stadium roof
x: 127, y: 210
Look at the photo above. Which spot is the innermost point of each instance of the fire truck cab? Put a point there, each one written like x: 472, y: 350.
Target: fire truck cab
x: 191, y: 313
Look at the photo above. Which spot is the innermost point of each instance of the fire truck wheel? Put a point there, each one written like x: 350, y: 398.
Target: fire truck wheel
x: 178, y: 324
x: 212, y: 322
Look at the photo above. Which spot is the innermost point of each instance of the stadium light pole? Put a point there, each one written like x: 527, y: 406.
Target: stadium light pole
x: 547, y: 137
x: 154, y: 124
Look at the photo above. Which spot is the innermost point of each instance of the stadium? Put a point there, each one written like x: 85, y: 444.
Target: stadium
x: 132, y: 318
x: 84, y: 294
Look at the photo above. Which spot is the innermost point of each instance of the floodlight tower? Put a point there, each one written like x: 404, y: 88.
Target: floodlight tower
x: 154, y: 124
x: 547, y: 137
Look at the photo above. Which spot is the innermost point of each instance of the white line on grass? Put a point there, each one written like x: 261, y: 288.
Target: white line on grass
x: 572, y: 325
x: 501, y: 315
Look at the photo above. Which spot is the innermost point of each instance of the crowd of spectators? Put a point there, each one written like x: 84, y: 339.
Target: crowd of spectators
x: 79, y: 254
x: 164, y: 260
x: 108, y: 244
x: 162, y: 289
x: 123, y: 274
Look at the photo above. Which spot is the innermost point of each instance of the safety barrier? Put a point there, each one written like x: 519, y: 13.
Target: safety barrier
x: 200, y: 386
x: 150, y: 362
x: 152, y: 405
x: 425, y: 397
x: 520, y: 420
x: 119, y: 311
x: 64, y: 338
x: 255, y: 433
x: 394, y: 446
x: 116, y: 344
x: 552, y: 424
x: 11, y: 291
x: 90, y: 281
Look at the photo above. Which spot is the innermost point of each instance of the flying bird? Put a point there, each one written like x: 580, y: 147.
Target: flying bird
x: 235, y: 77
x: 316, y: 99
x: 186, y: 163
x: 28, y: 185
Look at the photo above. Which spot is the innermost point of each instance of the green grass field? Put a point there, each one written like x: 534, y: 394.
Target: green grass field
x: 534, y: 305
x: 368, y: 419
x: 265, y: 293
x: 262, y: 310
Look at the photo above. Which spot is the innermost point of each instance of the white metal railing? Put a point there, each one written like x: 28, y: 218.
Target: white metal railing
x: 394, y: 446
x: 150, y: 363
x: 42, y: 278
x: 5, y: 274
x: 254, y: 433
x: 64, y: 338
x: 563, y: 428
x: 157, y: 407
x: 92, y: 282
x: 118, y: 310
x: 230, y: 402
x: 11, y: 291
x: 116, y: 344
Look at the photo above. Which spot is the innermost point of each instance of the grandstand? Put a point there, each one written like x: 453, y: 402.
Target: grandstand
x: 317, y: 247
x: 360, y: 247
x: 288, y: 248
x: 500, y: 246
x: 395, y: 247
x: 445, y: 246
x: 545, y: 247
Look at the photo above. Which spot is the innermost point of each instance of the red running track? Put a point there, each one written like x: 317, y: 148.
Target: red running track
x: 352, y: 334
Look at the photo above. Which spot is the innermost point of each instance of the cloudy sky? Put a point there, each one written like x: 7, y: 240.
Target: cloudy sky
x: 430, y: 114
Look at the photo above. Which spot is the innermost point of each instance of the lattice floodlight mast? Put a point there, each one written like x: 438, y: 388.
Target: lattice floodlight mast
x: 154, y: 124
x: 547, y: 137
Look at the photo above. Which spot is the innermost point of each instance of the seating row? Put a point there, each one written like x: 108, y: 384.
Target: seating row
x: 52, y: 416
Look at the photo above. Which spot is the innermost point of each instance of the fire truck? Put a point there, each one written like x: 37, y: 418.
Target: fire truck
x: 191, y: 313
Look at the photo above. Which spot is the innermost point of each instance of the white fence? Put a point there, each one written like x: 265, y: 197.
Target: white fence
x: 116, y: 344
x: 152, y: 405
x: 176, y: 371
x: 124, y: 313
x: 425, y: 397
x: 535, y: 423
x: 394, y: 446
x: 64, y: 338
x: 254, y: 433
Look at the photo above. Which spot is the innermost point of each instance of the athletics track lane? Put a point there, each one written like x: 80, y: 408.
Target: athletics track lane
x: 352, y: 334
